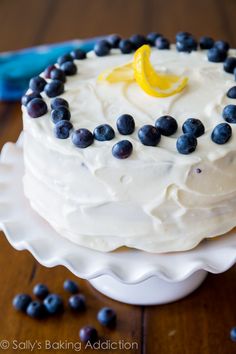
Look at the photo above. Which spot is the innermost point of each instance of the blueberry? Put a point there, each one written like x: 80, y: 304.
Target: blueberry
x: 186, y: 144
x: 54, y: 88
x: 221, y: 133
x: 82, y: 138
x: 60, y: 113
x: 206, y: 42
x: 21, y: 302
x: 69, y: 68
x: 187, y: 45
x: 182, y: 36
x: 233, y: 334
x: 162, y: 43
x: 77, y: 302
x: 222, y: 45
x: 138, y: 40
x: 37, y: 84
x: 216, y: 55
x: 122, y: 150
x: 107, y: 317
x: 193, y: 126
x: 41, y: 291
x: 58, y: 101
x: 114, y: 40
x: 47, y: 71
x: 126, y: 46
x: 58, y: 74
x: 149, y: 135
x: 230, y: 65
x: 125, y: 124
x: 229, y: 113
x: 62, y: 129
x: 167, y: 125
x: 104, y: 132
x: 152, y: 36
x: 62, y: 59
x: 71, y: 286
x: 53, y: 304
x: 88, y: 334
x: 36, y: 309
x: 28, y: 97
x: 78, y: 54
x: 36, y: 108
x: 102, y: 48
x: 231, y: 93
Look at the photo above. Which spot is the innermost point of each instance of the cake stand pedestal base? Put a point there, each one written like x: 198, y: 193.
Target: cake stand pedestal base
x: 152, y: 291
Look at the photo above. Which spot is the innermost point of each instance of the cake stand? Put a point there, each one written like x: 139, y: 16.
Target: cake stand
x: 129, y: 276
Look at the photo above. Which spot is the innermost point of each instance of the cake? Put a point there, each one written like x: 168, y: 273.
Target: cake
x: 122, y: 160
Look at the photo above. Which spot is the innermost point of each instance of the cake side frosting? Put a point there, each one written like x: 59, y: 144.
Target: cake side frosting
x: 157, y: 200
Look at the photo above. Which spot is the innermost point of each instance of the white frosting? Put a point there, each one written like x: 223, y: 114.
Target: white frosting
x: 154, y: 200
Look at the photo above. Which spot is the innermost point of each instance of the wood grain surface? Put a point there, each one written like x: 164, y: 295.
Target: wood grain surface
x: 198, y: 324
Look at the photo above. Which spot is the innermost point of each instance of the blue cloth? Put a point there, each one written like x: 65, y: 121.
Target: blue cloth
x: 17, y: 68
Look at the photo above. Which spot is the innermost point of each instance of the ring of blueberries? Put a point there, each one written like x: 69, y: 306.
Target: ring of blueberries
x: 217, y: 51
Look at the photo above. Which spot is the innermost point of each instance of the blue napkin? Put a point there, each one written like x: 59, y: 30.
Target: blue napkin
x: 17, y: 68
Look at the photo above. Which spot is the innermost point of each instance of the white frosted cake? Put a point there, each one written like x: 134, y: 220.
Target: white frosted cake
x: 161, y: 195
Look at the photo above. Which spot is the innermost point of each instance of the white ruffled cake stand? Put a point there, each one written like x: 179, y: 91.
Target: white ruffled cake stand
x: 129, y: 276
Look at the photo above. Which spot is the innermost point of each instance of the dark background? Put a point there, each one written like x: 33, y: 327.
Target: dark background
x: 199, y: 324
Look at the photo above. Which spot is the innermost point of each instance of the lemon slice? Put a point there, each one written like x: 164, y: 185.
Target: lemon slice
x: 118, y: 74
x: 154, y: 84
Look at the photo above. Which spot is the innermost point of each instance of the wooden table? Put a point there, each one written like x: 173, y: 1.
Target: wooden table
x: 199, y: 324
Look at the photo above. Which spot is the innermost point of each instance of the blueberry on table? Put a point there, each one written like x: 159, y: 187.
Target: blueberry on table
x: 233, y: 334
x: 162, y: 43
x: 221, y: 133
x: 37, y: 84
x: 102, y: 48
x: 77, y: 302
x: 82, y: 138
x: 122, y: 150
x: 216, y: 55
x: 149, y: 135
x: 186, y: 144
x: 21, y: 302
x: 104, y: 132
x: 151, y: 38
x: 138, y: 40
x: 36, y: 310
x: 231, y: 93
x: 206, y: 42
x: 40, y: 291
x: 187, y: 45
x: 58, y: 74
x: 125, y: 124
x: 69, y: 68
x: 88, y: 334
x: 126, y: 46
x: 229, y: 113
x: 53, y: 304
x: 60, y: 113
x: 28, y: 97
x: 47, y: 71
x: 54, y: 88
x: 63, y: 58
x: 71, y: 286
x: 78, y: 54
x: 107, y: 317
x: 167, y: 125
x: 36, y: 108
x: 230, y: 64
x: 193, y: 126
x: 58, y: 101
x: 114, y: 40
x: 62, y: 129
x: 222, y: 45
